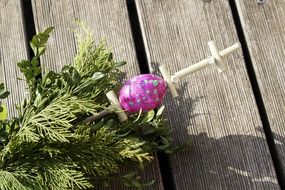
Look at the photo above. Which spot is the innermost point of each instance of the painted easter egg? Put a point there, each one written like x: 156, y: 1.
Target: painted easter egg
x: 144, y: 92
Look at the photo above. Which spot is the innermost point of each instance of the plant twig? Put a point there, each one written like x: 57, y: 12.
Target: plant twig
x: 92, y: 118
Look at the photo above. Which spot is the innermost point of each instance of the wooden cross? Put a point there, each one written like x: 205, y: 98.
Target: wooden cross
x: 217, y: 59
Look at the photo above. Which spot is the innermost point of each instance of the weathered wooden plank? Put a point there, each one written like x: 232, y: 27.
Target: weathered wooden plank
x: 220, y: 116
x: 264, y: 28
x: 108, y: 19
x: 13, y: 48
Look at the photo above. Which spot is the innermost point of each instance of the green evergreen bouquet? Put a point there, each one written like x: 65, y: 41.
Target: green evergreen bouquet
x: 49, y: 146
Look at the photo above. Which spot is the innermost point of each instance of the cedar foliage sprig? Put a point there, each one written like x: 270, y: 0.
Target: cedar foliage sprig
x: 48, y: 146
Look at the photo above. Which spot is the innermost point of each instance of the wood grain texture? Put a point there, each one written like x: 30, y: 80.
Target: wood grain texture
x: 108, y: 18
x: 264, y: 29
x: 13, y: 48
x: 217, y: 112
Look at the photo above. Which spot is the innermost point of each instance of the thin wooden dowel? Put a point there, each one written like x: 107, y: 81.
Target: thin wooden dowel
x: 100, y: 115
x: 116, y: 105
x: 228, y: 51
x: 167, y: 78
x: 191, y: 69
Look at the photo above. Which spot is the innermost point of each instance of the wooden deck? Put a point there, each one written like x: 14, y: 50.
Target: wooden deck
x: 236, y: 121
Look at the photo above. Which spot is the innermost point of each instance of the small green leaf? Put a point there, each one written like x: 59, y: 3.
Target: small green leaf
x: 120, y: 64
x: 47, y: 81
x: 164, y: 140
x: 4, y: 94
x: 38, y: 42
x: 37, y: 71
x: 130, y: 175
x: 42, y: 50
x: 149, y: 183
x: 34, y: 62
x: 124, y: 134
x: 151, y: 130
x: 132, y: 180
x: 180, y: 147
x: 33, y: 46
x: 135, y: 183
x: 48, y: 30
x: 30, y: 70
x: 159, y: 112
x: 149, y: 116
x: 164, y: 147
x: 98, y: 75
x: 3, y: 113
x: 110, y: 57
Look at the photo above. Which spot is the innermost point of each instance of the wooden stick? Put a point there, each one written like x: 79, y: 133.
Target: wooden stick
x: 228, y: 51
x: 116, y: 105
x: 193, y: 68
x: 92, y: 118
x: 167, y: 78
x: 216, y: 58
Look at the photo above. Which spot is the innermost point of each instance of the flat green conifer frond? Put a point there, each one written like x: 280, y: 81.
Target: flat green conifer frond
x: 49, y: 147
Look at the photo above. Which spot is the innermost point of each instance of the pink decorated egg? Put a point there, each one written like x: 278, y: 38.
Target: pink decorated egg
x: 144, y: 92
